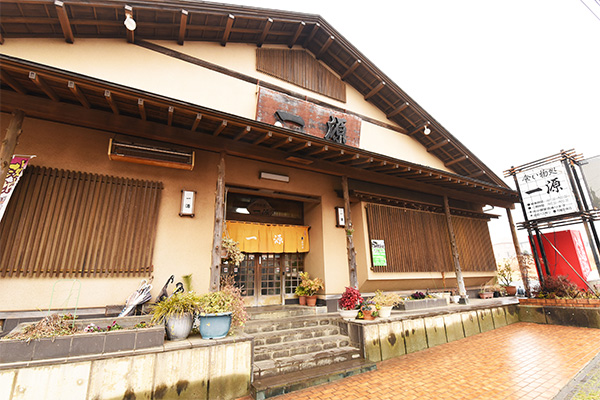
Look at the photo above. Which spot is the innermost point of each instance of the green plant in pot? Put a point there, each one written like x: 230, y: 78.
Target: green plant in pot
x: 386, y: 301
x: 221, y: 310
x: 177, y: 313
x: 505, y: 277
x: 307, y: 289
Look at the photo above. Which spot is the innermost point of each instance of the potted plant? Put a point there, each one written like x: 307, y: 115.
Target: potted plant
x: 231, y: 251
x: 485, y: 293
x: 386, y: 301
x: 505, y: 277
x: 350, y: 303
x: 215, y: 314
x: 308, y: 288
x: 454, y: 296
x: 368, y: 310
x: 177, y: 313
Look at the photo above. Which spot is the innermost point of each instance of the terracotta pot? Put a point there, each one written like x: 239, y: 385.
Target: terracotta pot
x: 302, y: 300
x: 367, y: 315
x: 311, y: 300
x: 511, y: 290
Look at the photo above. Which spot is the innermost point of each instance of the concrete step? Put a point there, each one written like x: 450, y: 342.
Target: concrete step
x: 277, y: 312
x: 282, y: 324
x: 287, y: 349
x: 292, y: 335
x: 299, y: 362
x: 264, y: 388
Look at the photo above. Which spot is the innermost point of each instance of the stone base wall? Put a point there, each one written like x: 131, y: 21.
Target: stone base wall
x: 188, y: 369
x: 392, y: 337
x: 585, y: 317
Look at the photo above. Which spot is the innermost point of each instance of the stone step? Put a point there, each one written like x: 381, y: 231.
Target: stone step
x: 264, y: 388
x: 279, y: 312
x: 282, y: 324
x: 292, y: 335
x: 287, y: 349
x: 299, y: 362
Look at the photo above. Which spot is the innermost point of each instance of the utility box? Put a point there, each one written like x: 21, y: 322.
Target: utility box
x: 570, y: 244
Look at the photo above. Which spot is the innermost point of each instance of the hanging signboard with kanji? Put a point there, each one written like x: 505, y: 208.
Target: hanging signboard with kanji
x: 546, y: 191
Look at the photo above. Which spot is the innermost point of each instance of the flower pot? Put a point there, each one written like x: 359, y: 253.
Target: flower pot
x: 455, y: 298
x: 511, y: 290
x: 311, y: 300
x: 368, y: 314
x: 385, y: 311
x: 302, y: 300
x: 348, y: 314
x: 215, y: 326
x: 179, y: 327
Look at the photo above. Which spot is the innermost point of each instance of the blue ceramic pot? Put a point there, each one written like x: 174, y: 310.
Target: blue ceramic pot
x: 215, y: 326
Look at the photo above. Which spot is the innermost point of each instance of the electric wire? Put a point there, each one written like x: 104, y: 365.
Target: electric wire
x: 597, y: 17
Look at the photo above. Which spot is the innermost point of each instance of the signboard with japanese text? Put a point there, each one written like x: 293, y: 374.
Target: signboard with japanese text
x: 15, y: 170
x: 546, y: 191
x: 378, y: 252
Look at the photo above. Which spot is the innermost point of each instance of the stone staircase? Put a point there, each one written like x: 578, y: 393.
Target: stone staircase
x: 296, y: 347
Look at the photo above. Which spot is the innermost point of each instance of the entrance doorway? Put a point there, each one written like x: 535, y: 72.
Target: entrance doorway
x: 268, y: 279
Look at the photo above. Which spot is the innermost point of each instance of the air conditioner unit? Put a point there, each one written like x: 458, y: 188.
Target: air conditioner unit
x: 150, y: 153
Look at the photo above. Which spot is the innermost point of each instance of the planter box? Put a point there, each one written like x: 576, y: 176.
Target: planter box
x: 561, y: 302
x: 423, y: 303
x: 81, y: 344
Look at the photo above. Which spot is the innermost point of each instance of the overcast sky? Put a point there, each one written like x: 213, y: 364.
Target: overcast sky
x: 513, y: 80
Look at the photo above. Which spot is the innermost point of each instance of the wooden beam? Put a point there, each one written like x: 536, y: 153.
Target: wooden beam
x: 302, y: 146
x: 76, y: 115
x: 266, y: 136
x: 477, y: 174
x: 142, y: 109
x: 299, y: 30
x: 215, y: 273
x: 1, y: 38
x: 182, y: 27
x: 228, y: 25
x: 63, y: 18
x: 78, y: 93
x: 375, y: 90
x: 220, y: 128
x: 311, y: 35
x: 439, y: 145
x: 243, y: 133
x: 41, y: 83
x: 363, y: 162
x: 350, y: 70
x: 111, y: 102
x: 265, y: 32
x: 10, y: 81
x: 196, y: 122
x: 398, y: 110
x: 380, y: 164
x: 418, y: 129
x: 130, y: 35
x: 456, y: 160
x: 325, y: 46
x: 348, y: 158
x: 282, y: 143
x: 9, y: 143
x: 352, y: 276
x: 170, y: 114
x: 455, y: 256
x: 333, y: 155
x: 320, y: 150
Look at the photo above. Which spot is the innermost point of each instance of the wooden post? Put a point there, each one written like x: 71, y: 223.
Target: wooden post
x: 9, y: 143
x: 520, y: 257
x: 215, y: 267
x: 459, y: 278
x: 349, y: 235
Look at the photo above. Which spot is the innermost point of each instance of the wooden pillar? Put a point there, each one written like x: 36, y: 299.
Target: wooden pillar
x: 455, y: 256
x: 520, y: 257
x: 349, y: 235
x: 215, y: 267
x: 9, y: 143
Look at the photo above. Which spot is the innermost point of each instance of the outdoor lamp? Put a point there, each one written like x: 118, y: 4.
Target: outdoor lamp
x: 129, y: 21
x: 426, y: 131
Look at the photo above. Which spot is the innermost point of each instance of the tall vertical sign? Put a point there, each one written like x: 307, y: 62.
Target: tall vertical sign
x: 15, y: 171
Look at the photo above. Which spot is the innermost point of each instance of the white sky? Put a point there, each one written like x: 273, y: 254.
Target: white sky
x: 513, y: 80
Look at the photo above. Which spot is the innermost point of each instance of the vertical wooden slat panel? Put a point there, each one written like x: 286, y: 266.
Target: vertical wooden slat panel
x: 65, y: 223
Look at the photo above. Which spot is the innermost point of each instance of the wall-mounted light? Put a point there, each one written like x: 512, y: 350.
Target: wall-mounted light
x: 129, y: 21
x: 274, y: 177
x: 340, y: 217
x: 187, y: 203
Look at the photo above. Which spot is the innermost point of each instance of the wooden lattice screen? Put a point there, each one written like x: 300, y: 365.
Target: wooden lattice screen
x: 302, y: 69
x: 66, y: 223
x: 418, y: 241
